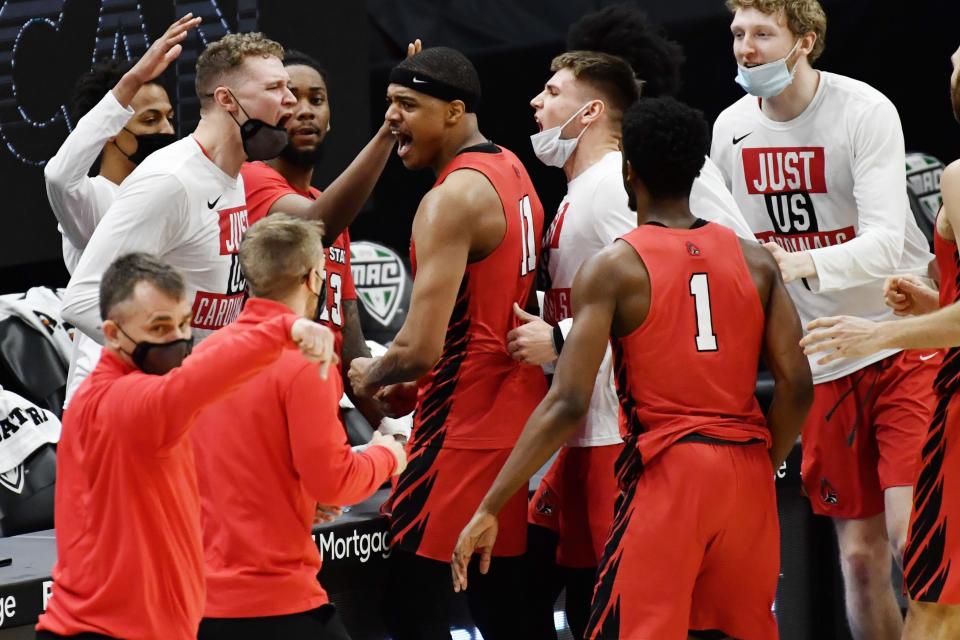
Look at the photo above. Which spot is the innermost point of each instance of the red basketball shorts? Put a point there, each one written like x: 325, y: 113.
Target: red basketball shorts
x: 695, y: 545
x: 575, y: 499
x: 437, y: 494
x: 864, y: 433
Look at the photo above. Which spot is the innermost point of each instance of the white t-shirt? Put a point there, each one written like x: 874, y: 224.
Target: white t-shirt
x: 832, y: 181
x: 181, y: 207
x: 79, y: 202
x: 591, y: 216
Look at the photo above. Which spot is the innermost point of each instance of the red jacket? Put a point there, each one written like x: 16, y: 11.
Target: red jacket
x: 266, y: 455
x: 129, y: 549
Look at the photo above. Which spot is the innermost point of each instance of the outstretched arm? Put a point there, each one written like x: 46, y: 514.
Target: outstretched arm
x: 594, y: 296
x: 68, y: 187
x: 849, y: 337
x: 343, y: 199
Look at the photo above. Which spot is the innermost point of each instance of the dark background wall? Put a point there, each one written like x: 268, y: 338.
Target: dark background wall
x: 45, y: 44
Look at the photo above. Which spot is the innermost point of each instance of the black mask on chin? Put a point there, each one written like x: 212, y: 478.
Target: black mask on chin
x: 261, y: 141
x: 147, y: 143
x: 159, y: 358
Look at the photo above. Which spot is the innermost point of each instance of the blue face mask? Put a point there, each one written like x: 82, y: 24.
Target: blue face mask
x: 767, y: 80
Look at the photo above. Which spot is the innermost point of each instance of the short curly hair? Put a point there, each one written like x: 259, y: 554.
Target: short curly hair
x: 228, y: 53
x: 622, y: 30
x: 94, y: 84
x: 665, y: 142
x: 803, y: 16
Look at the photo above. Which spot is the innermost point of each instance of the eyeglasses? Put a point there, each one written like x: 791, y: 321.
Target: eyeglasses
x: 322, y: 296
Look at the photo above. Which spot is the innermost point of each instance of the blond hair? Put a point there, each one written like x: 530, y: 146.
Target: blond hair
x: 612, y: 76
x: 277, y: 252
x: 803, y: 16
x: 224, y: 56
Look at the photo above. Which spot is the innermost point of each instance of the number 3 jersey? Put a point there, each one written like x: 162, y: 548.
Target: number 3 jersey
x: 477, y: 396
x: 264, y: 186
x: 830, y: 181
x: 704, y: 330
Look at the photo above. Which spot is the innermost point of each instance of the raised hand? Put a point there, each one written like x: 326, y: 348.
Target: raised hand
x: 315, y: 342
x: 414, y: 48
x: 155, y: 61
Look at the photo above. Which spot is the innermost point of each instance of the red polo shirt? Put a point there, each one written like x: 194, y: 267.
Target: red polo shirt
x: 129, y: 549
x: 266, y: 455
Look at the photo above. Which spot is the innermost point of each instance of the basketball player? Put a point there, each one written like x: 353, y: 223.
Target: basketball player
x: 278, y: 436
x: 122, y: 115
x: 129, y: 547
x: 931, y: 578
x: 701, y: 553
x: 185, y: 203
x: 474, y: 256
x: 815, y: 161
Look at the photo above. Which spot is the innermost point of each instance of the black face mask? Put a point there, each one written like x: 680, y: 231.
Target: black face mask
x: 159, y: 358
x: 147, y: 143
x: 261, y: 141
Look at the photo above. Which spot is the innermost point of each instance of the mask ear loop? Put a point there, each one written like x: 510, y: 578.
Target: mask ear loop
x: 241, y: 108
x: 135, y: 343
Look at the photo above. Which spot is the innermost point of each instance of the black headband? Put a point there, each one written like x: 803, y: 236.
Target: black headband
x: 421, y: 82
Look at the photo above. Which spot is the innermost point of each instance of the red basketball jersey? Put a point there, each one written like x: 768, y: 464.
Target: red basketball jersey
x: 477, y: 396
x: 691, y: 367
x: 949, y: 264
x: 948, y: 261
x: 263, y: 186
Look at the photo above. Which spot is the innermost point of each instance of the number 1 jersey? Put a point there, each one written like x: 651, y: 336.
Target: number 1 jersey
x: 691, y: 367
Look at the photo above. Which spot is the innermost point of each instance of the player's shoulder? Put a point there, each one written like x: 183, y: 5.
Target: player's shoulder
x: 744, y: 109
x: 466, y: 188
x: 616, y: 266
x: 258, y: 171
x: 759, y: 261
x: 855, y: 98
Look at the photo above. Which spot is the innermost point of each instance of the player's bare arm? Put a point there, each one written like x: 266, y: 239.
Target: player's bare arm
x: 343, y: 199
x: 355, y: 346
x: 458, y: 221
x: 595, y: 293
x: 847, y: 337
x: 793, y: 382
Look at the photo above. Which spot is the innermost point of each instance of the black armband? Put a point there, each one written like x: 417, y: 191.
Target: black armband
x: 557, y: 339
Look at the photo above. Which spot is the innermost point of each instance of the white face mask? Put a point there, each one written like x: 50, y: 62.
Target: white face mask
x: 767, y: 80
x: 550, y: 148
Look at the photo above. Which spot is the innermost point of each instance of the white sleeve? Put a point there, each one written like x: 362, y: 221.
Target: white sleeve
x: 146, y: 216
x: 69, y: 189
x: 611, y: 214
x: 880, y: 191
x: 710, y: 199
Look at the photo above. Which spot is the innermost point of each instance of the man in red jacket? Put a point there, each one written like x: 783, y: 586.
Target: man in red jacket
x: 270, y: 452
x: 129, y: 548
